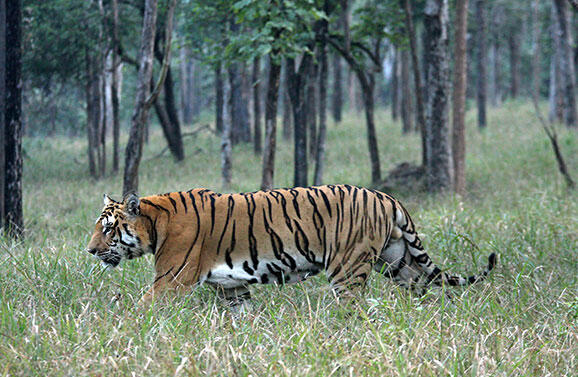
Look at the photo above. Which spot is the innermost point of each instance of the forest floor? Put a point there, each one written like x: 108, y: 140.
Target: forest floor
x: 58, y: 315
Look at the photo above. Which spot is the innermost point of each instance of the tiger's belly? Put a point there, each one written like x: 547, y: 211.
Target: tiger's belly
x: 267, y: 272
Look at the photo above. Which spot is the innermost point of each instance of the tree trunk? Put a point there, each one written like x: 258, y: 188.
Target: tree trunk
x: 219, y: 98
x: 226, y: 144
x: 323, y: 77
x: 536, y: 50
x: 482, y: 62
x: 186, y: 76
x: 565, y: 62
x: 240, y: 131
x: 513, y: 42
x: 420, y: 112
x: 3, y: 128
x: 287, y: 129
x: 395, y: 102
x: 115, y: 88
x: 13, y: 120
x: 311, y: 105
x: 257, y: 147
x: 134, y: 146
x: 459, y: 103
x: 270, y: 125
x: 297, y: 95
x: 439, y: 170
x: 556, y: 112
x: 337, y: 97
x: 406, y: 105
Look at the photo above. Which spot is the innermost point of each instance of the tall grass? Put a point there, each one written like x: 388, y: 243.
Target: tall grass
x: 61, y: 313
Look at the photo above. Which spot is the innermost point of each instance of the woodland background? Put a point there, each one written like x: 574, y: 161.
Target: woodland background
x: 464, y: 110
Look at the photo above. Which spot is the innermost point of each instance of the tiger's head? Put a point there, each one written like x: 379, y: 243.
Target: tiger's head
x: 119, y: 231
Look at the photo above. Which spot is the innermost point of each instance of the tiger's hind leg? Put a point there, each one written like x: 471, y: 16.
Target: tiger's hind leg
x: 349, y: 275
x: 233, y: 297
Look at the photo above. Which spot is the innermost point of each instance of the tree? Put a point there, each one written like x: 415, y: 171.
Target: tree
x: 11, y: 90
x: 271, y: 123
x: 144, y: 100
x: 565, y: 63
x: 406, y: 103
x: 323, y: 78
x: 482, y: 62
x: 257, y: 146
x: 438, y: 170
x: 420, y: 112
x: 459, y: 101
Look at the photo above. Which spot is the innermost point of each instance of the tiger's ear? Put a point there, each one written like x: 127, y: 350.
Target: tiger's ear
x: 107, y: 200
x: 132, y: 204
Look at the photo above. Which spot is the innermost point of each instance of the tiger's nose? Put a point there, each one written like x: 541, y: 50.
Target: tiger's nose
x: 91, y: 251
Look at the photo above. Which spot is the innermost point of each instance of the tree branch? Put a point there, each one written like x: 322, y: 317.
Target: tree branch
x: 167, y: 55
x: 553, y: 136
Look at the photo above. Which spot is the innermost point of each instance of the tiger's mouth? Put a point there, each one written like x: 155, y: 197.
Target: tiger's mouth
x: 109, y: 258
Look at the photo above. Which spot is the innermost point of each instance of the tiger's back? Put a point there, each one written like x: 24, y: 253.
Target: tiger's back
x: 282, y: 236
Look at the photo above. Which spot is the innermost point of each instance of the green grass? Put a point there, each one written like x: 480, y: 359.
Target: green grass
x: 58, y: 315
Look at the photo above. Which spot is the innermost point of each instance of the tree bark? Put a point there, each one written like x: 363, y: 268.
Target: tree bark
x: 565, y: 62
x: 459, y: 102
x: 556, y: 112
x: 297, y: 94
x: 395, y: 102
x: 406, y: 103
x: 219, y: 98
x: 420, y: 112
x: 337, y: 96
x: 513, y: 42
x: 115, y: 88
x: 257, y: 146
x: 536, y: 49
x: 323, y: 78
x: 287, y: 120
x: 311, y: 105
x: 482, y: 62
x: 226, y: 144
x: 186, y: 76
x: 3, y: 128
x: 270, y: 126
x: 439, y: 169
x: 13, y: 120
x: 134, y: 147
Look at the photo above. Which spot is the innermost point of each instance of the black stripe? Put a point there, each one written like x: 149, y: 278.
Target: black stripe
x: 160, y: 208
x: 173, y: 202
x: 183, y: 201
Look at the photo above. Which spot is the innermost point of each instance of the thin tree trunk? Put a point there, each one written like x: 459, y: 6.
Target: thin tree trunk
x: 257, y: 147
x: 115, y: 91
x: 420, y: 111
x: 439, y: 169
x: 459, y: 102
x: 287, y: 129
x: 14, y: 223
x: 226, y: 144
x: 556, y: 112
x: 536, y: 49
x: 270, y: 125
x: 186, y: 76
x: 323, y: 77
x: 406, y: 105
x: 337, y: 97
x: 482, y: 62
x: 513, y: 42
x: 297, y: 95
x: 568, y: 81
x: 3, y: 128
x: 311, y: 105
x: 135, y: 142
x: 395, y: 102
x: 219, y: 98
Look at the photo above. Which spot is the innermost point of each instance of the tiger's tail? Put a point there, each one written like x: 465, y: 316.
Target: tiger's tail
x: 434, y: 275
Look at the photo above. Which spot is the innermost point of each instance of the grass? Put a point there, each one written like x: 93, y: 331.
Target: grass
x: 59, y: 313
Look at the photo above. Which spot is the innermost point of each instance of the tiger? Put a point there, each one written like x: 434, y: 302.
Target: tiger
x: 231, y: 241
